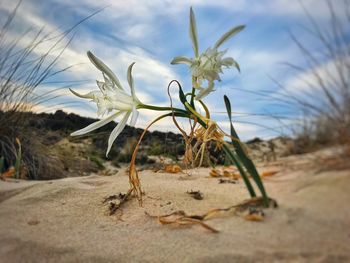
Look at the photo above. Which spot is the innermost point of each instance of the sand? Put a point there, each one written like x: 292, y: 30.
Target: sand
x: 65, y: 220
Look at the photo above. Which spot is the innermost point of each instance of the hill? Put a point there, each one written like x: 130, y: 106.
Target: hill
x: 52, y: 153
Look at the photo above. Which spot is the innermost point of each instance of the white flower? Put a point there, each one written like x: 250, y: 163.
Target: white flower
x: 208, y: 65
x: 111, y: 98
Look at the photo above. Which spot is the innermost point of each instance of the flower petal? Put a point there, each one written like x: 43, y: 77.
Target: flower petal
x: 117, y: 130
x: 237, y: 66
x: 96, y: 125
x: 134, y: 116
x: 91, y: 95
x: 193, y: 33
x: 228, y: 35
x: 227, y: 61
x: 131, y: 80
x: 108, y: 83
x: 206, y: 91
x: 103, y: 67
x: 181, y: 60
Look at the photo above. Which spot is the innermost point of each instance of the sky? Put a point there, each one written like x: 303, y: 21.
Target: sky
x: 152, y: 33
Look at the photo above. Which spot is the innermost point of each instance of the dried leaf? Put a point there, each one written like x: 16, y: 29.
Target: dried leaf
x: 172, y: 168
x: 10, y: 172
x: 269, y: 173
x: 191, y: 221
x: 180, y: 218
x: 232, y: 175
x: 254, y: 217
x: 214, y: 173
x: 225, y: 172
x: 251, y: 210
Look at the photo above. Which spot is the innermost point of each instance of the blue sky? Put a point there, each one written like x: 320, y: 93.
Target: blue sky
x: 151, y: 33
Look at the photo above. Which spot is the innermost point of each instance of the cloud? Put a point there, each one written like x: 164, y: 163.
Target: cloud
x: 149, y: 72
x: 329, y: 74
x: 150, y: 34
x: 150, y: 10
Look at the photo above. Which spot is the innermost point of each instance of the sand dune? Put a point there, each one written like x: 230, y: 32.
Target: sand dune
x: 65, y: 220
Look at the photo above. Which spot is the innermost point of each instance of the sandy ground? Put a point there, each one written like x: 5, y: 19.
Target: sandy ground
x: 65, y: 220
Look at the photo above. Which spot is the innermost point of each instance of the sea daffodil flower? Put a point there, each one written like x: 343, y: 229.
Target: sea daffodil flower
x: 208, y: 65
x: 111, y: 98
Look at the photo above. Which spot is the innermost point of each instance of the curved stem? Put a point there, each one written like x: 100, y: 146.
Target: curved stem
x: 134, y: 181
x: 205, y: 108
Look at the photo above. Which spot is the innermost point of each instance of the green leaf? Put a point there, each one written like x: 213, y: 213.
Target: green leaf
x: 229, y: 34
x: 182, y: 96
x: 243, y: 157
x: 229, y: 113
x: 228, y: 107
x: 234, y: 159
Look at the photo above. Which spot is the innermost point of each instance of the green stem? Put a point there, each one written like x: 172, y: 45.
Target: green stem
x: 195, y: 113
x: 157, y: 108
x: 193, y: 92
x: 178, y: 112
x: 192, y: 97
